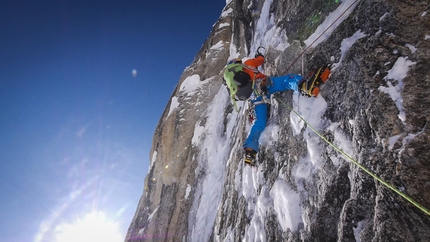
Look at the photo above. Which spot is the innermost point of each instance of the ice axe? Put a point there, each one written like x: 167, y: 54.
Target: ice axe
x: 258, y: 50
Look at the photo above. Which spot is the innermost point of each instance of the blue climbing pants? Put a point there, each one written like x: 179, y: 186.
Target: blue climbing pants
x: 279, y: 84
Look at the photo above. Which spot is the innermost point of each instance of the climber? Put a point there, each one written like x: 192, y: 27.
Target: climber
x: 245, y: 82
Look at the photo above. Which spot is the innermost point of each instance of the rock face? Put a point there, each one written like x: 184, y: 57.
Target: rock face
x: 375, y: 107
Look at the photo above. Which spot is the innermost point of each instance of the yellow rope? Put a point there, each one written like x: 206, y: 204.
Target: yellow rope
x: 416, y: 204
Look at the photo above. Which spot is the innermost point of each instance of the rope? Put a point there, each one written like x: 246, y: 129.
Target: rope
x: 409, y: 199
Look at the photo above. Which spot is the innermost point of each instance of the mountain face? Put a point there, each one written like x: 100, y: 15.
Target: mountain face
x: 375, y: 108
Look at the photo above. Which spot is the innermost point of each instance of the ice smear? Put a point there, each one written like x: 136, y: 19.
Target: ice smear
x: 286, y: 203
x: 312, y: 110
x: 267, y: 33
x: 341, y: 141
x: 154, y: 158
x: 187, y: 192
x: 214, y: 150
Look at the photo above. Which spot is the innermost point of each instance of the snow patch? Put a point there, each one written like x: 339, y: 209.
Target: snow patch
x: 267, y: 33
x: 187, y: 191
x: 249, y: 184
x: 346, y: 45
x: 383, y: 17
x: 411, y: 47
x: 227, y: 11
x: 256, y: 231
x: 312, y: 110
x: 218, y: 45
x: 269, y: 135
x: 398, y: 72
x: 405, y: 140
x: 198, y: 132
x: 223, y: 25
x: 174, y: 103
x: 190, y: 84
x: 286, y: 203
x: 357, y: 231
x: 341, y: 141
x: 297, y: 123
x: 152, y: 214
x: 214, y: 150
x: 392, y: 140
x: 154, y: 157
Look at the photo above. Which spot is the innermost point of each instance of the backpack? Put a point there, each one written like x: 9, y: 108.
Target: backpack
x: 237, y: 81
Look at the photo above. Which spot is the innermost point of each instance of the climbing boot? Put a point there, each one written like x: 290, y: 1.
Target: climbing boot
x: 250, y: 156
x: 325, y: 73
x: 310, y: 85
x: 315, y: 91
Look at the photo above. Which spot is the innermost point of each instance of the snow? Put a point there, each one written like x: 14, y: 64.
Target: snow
x: 226, y: 12
x: 267, y: 33
x: 198, y: 132
x: 255, y: 229
x: 404, y: 138
x: 154, y: 158
x: 357, y: 231
x: 173, y: 105
x: 312, y: 110
x: 217, y: 46
x: 331, y: 19
x: 218, y: 147
x: 383, y: 16
x: 411, y: 47
x: 392, y: 140
x: 152, y: 214
x: 216, y: 142
x: 187, y: 192
x: 269, y: 135
x: 398, y: 72
x: 346, y: 45
x: 189, y: 87
x: 286, y: 203
x: 190, y: 84
x: 214, y: 148
x: 223, y: 25
x: 341, y: 141
x: 142, y: 230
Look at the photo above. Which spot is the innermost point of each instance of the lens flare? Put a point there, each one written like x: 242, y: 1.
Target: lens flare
x: 92, y: 227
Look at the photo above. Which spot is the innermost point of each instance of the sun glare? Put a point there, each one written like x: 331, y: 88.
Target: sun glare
x: 94, y: 227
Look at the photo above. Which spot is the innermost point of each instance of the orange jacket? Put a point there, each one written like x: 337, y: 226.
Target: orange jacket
x: 254, y: 63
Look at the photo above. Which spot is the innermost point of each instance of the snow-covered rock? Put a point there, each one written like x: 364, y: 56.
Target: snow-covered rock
x: 375, y: 108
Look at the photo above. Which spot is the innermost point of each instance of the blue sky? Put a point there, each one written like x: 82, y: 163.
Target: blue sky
x: 75, y: 125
